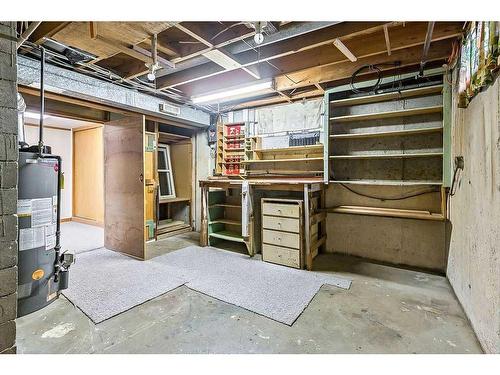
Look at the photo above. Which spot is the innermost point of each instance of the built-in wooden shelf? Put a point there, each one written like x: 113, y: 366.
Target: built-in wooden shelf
x: 228, y: 236
x: 225, y: 205
x: 420, y: 91
x: 387, y: 212
x: 393, y: 133
x: 171, y: 137
x: 174, y: 200
x: 389, y: 114
x: 387, y: 182
x: 289, y: 150
x: 281, y: 160
x: 225, y: 221
x: 172, y: 227
x: 389, y: 156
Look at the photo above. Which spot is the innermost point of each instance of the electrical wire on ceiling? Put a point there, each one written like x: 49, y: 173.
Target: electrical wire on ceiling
x: 393, y: 198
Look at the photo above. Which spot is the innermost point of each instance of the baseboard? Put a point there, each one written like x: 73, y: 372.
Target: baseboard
x: 87, y: 221
x: 65, y: 220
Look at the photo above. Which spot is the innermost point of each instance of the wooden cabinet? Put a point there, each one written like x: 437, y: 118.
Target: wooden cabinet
x: 282, y: 232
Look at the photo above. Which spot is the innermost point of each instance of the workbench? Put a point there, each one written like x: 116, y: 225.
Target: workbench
x: 311, y: 190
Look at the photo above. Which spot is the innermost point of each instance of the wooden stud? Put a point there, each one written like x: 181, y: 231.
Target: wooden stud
x: 387, y: 41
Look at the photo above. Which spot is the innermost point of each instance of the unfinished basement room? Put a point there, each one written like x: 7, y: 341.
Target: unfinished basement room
x: 208, y: 185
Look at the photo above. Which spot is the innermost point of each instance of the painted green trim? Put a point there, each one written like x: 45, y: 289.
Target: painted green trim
x: 326, y: 134
x: 447, y: 112
x: 151, y: 228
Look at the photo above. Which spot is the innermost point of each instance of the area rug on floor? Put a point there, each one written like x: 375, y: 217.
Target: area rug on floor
x: 277, y: 292
x: 104, y: 283
x: 78, y: 237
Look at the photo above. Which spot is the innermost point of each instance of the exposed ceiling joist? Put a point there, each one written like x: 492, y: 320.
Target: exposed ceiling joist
x: 27, y: 33
x: 332, y: 72
x: 218, y: 57
x: 46, y: 30
x: 372, y: 44
x: 124, y: 48
x: 166, y: 63
x: 345, y: 51
x: 387, y: 40
x: 271, y: 52
x: 93, y: 29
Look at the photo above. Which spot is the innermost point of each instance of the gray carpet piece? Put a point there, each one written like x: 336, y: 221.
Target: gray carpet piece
x: 78, y: 238
x: 277, y: 292
x: 104, y: 283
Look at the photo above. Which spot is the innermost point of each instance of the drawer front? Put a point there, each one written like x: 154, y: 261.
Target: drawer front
x: 281, y: 255
x: 278, y: 209
x: 273, y: 237
x: 281, y: 223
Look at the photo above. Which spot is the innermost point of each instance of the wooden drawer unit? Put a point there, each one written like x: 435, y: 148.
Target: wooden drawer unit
x: 281, y: 209
x: 274, y: 237
x: 281, y: 223
x: 281, y: 255
x: 283, y: 232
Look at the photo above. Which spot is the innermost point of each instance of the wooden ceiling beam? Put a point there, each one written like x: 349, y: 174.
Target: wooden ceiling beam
x: 372, y: 44
x: 93, y: 29
x: 273, y: 51
x: 343, y: 69
x: 234, y: 63
x: 46, y: 30
x: 124, y: 49
x: 387, y: 40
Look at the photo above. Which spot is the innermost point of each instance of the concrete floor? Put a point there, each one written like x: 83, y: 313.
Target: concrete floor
x: 387, y: 310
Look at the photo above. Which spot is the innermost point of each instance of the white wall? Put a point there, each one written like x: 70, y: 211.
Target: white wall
x: 474, y: 260
x: 61, y: 141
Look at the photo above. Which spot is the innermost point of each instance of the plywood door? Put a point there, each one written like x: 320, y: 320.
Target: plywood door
x: 88, y: 175
x: 124, y: 186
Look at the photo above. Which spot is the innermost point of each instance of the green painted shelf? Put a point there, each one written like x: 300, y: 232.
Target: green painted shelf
x: 228, y: 236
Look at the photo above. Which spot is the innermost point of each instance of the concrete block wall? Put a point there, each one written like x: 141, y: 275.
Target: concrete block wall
x: 8, y: 189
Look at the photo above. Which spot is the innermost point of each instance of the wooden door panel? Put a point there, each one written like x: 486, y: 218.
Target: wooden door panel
x: 88, y: 174
x: 124, y: 186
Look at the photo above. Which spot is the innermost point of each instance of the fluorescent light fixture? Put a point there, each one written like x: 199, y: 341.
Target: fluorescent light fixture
x: 235, y: 93
x: 342, y: 48
x: 34, y: 115
x: 222, y: 59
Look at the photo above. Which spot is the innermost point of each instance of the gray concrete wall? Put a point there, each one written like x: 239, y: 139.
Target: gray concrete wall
x: 473, y: 264
x: 417, y: 243
x: 8, y: 190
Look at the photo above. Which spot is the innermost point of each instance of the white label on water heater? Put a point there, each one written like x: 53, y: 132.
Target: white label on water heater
x: 24, y: 207
x: 41, y: 204
x: 41, y: 218
x: 30, y: 238
x: 50, y: 236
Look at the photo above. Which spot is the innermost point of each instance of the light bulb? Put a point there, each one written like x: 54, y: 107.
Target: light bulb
x: 151, y: 76
x: 258, y: 38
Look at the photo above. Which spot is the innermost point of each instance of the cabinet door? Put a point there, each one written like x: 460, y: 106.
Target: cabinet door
x: 124, y: 183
